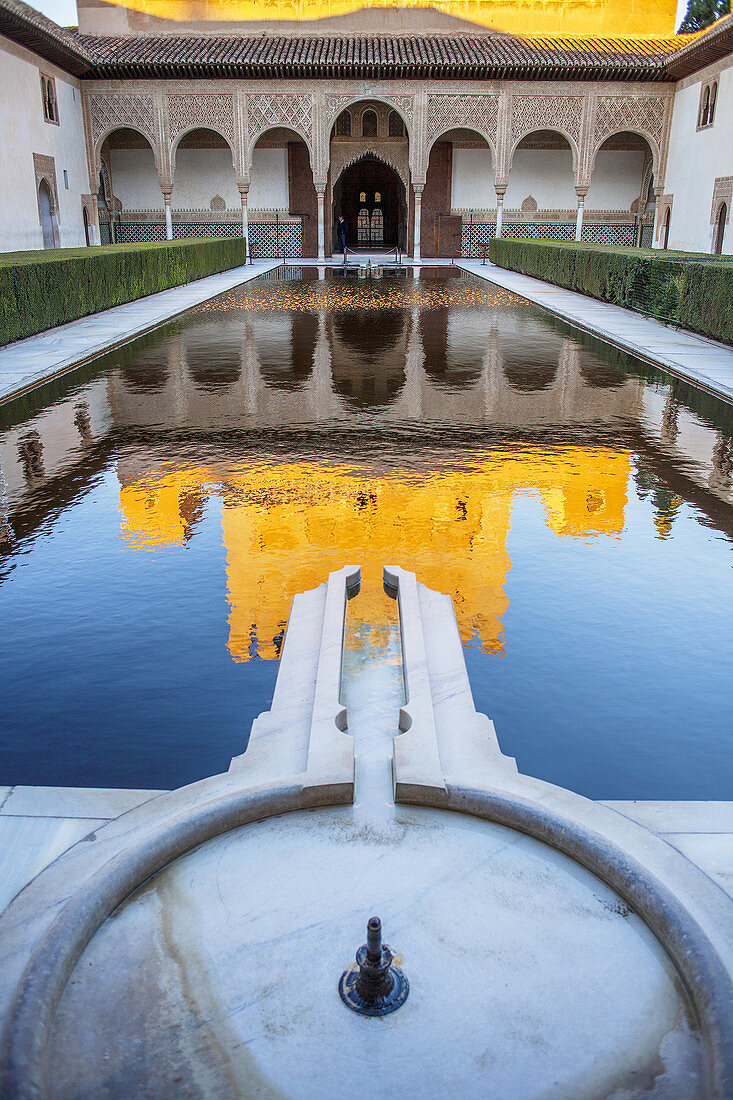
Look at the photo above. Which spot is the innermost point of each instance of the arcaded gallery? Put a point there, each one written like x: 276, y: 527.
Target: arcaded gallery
x: 366, y: 520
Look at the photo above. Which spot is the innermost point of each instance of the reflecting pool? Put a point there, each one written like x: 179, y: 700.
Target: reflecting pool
x: 159, y: 509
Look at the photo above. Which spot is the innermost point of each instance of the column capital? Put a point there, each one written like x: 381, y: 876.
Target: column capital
x: 418, y: 188
x: 581, y: 192
x: 500, y: 189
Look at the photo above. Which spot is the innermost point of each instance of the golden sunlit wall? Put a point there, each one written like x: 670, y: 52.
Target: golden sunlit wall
x: 285, y: 527
x: 594, y: 17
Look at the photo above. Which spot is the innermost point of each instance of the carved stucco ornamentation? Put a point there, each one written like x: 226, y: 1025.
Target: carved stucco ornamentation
x: 208, y: 111
x: 476, y: 112
x: 292, y: 111
x: 630, y: 112
x: 335, y: 103
x: 722, y: 193
x: 546, y: 112
x: 347, y: 153
x: 45, y: 170
x: 109, y: 111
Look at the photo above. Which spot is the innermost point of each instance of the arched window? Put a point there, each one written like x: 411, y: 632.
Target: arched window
x: 396, y: 125
x: 362, y: 226
x: 720, y: 229
x: 369, y: 124
x: 343, y: 124
x: 377, y: 226
x: 667, y: 220
x: 48, y: 93
x: 705, y: 106
x: 713, y: 101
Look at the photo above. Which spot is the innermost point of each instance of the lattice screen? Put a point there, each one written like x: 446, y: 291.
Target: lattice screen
x: 598, y: 233
x: 134, y: 232
x: 474, y: 236
x: 647, y: 236
x: 210, y: 229
x: 556, y: 231
x: 105, y: 236
x: 269, y: 241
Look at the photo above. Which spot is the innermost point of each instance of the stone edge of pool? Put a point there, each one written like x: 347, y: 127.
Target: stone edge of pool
x: 685, y: 355
x: 47, y: 927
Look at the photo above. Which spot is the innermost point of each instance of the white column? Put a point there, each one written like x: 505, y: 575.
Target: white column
x: 243, y: 191
x: 417, y: 190
x: 579, y: 216
x: 499, y: 213
x: 168, y: 216
x: 321, y: 196
x: 658, y: 192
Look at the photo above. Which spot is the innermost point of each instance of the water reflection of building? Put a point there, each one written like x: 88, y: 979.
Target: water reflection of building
x: 286, y: 525
x: 184, y: 409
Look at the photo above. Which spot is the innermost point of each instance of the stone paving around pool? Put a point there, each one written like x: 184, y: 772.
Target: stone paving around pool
x: 192, y: 945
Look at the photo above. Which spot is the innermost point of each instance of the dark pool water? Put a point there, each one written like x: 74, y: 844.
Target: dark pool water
x: 159, y: 509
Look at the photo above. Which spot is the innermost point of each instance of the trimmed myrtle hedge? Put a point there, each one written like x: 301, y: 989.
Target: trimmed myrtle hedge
x: 39, y: 290
x: 689, y: 290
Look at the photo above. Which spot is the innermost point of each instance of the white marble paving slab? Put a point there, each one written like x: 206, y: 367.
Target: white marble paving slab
x: 685, y: 354
x: 28, y: 844
x: 27, y: 363
x: 72, y: 802
x: 678, y: 817
x: 712, y: 852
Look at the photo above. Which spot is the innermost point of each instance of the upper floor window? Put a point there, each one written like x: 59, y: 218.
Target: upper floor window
x: 369, y: 124
x: 50, y: 104
x: 708, y: 102
x: 343, y: 124
x: 396, y: 125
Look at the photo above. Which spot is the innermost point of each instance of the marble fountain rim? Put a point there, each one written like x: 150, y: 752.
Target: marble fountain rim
x: 140, y: 843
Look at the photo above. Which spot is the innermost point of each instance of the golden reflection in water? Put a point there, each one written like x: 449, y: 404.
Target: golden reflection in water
x: 287, y: 525
x: 350, y: 294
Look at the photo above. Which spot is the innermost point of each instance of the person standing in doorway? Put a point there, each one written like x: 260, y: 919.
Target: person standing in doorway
x: 341, y: 231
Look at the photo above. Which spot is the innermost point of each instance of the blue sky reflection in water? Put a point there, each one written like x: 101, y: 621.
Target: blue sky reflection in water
x: 160, y: 508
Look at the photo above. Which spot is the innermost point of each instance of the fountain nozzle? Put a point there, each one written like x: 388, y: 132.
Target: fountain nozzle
x: 373, y: 986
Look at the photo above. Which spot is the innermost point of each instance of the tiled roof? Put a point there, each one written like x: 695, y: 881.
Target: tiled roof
x: 705, y: 47
x: 458, y: 56
x: 27, y: 26
x: 485, y: 56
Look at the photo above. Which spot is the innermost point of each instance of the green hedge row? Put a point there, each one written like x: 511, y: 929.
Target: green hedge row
x: 41, y: 289
x: 684, y: 289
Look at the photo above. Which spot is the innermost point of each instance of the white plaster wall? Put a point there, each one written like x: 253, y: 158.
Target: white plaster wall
x: 268, y: 187
x: 472, y: 180
x: 546, y: 175
x: 200, y: 175
x: 616, y: 180
x: 24, y: 133
x: 135, y: 179
x: 695, y: 160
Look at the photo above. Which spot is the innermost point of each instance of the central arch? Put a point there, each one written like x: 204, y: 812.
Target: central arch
x: 370, y: 195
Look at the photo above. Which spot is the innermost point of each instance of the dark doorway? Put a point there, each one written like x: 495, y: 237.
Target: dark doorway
x: 371, y: 197
x: 720, y: 230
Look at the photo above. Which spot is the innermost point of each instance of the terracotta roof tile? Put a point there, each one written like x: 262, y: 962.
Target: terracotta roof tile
x: 464, y: 56
x: 485, y: 56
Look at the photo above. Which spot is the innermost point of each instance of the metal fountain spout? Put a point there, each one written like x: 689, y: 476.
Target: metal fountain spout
x: 373, y: 986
